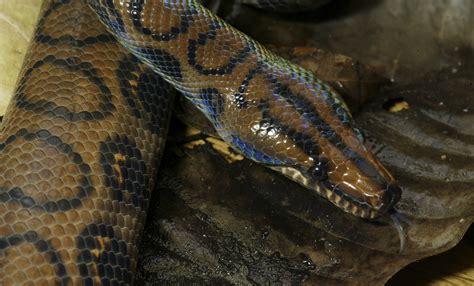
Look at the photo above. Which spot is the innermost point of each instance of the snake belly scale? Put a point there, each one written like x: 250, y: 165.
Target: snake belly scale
x: 82, y: 138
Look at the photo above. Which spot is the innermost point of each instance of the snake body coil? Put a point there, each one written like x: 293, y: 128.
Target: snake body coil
x: 79, y: 150
x: 82, y: 138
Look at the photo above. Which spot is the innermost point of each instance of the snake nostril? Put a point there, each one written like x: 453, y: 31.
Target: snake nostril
x: 393, y: 193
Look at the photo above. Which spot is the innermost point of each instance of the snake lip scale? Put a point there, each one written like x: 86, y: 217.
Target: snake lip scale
x: 82, y: 138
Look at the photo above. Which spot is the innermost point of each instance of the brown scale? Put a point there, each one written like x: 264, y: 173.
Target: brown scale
x: 356, y: 173
x: 79, y: 154
x: 81, y: 151
x: 342, y: 169
x: 225, y: 45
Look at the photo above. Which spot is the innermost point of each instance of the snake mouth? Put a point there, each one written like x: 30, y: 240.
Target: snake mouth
x: 391, y: 195
x: 341, y: 199
x: 346, y: 202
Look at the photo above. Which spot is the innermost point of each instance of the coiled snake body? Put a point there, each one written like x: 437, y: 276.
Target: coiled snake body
x: 82, y: 137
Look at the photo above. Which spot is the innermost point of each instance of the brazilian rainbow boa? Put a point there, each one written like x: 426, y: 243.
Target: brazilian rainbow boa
x: 82, y: 138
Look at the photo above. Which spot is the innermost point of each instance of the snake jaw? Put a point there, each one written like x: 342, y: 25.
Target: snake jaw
x: 336, y: 195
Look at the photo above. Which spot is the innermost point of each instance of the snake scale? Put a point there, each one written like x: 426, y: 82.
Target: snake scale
x: 81, y: 140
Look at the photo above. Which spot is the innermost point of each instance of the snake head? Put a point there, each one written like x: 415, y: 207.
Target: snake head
x: 308, y: 135
x: 351, y: 178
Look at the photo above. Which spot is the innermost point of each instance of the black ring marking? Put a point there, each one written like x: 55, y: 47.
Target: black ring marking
x: 71, y: 40
x: 52, y: 255
x: 41, y: 37
x: 239, y: 97
x: 202, y: 41
x: 304, y: 141
x: 72, y: 64
x: 306, y: 109
x: 156, y: 102
x: 174, y: 32
x: 84, y: 182
x: 118, y: 25
x: 124, y: 73
x: 130, y: 183
x: 211, y: 102
x: 151, y: 94
x: 53, y: 6
x: 113, y: 264
x: 163, y: 62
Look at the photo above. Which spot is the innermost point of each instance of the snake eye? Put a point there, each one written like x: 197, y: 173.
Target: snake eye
x: 319, y: 170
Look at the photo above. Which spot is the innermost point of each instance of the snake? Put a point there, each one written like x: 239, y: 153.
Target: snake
x: 82, y: 138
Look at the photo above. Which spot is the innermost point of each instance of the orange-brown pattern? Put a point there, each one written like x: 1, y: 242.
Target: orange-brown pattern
x: 272, y: 111
x: 82, y: 138
x: 79, y: 150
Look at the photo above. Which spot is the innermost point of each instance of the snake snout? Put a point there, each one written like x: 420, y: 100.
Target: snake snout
x: 391, y: 197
